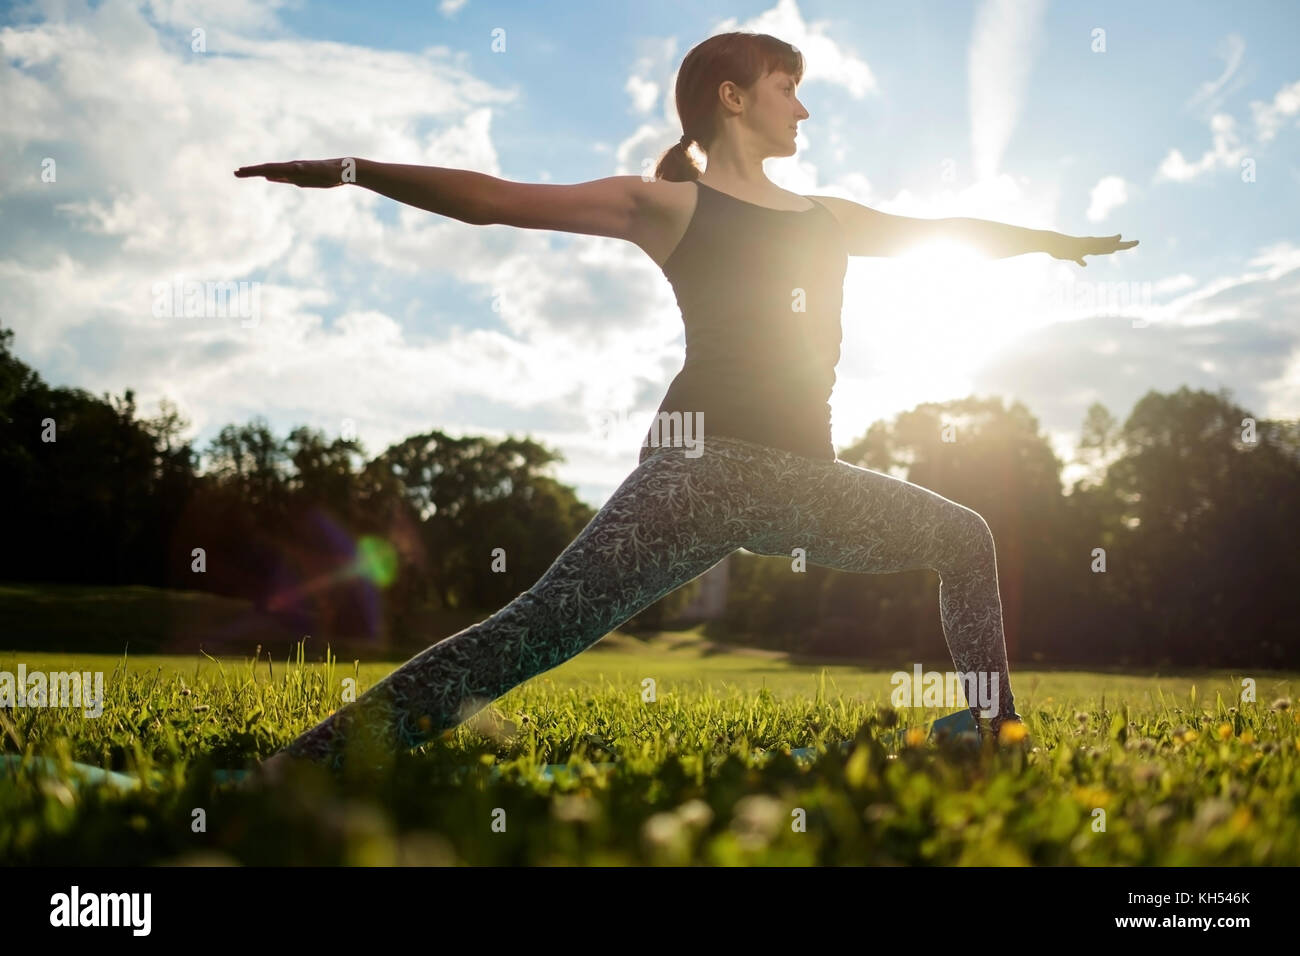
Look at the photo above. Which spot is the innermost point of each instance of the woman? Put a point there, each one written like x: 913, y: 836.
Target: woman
x: 740, y: 455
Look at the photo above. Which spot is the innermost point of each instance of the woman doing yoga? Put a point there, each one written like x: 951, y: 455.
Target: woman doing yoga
x: 740, y: 453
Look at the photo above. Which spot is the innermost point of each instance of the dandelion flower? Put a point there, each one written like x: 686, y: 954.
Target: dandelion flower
x: 1092, y: 796
x: 1013, y: 731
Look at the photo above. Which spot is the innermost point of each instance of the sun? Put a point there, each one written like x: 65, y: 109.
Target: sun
x: 922, y: 326
x: 942, y: 252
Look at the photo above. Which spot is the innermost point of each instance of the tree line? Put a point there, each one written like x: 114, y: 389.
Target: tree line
x: 1175, y: 549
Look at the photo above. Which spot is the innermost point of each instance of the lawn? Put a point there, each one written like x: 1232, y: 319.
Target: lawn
x: 1117, y: 769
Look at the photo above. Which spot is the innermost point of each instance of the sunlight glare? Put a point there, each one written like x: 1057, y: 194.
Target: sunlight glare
x: 941, y: 251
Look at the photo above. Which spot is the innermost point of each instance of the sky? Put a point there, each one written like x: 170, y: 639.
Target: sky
x: 1173, y: 123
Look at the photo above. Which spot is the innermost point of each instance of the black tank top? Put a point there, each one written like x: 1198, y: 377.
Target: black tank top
x: 760, y: 291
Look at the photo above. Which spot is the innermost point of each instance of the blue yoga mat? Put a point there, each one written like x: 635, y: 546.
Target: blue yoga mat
x: 81, y: 772
x: 960, y: 725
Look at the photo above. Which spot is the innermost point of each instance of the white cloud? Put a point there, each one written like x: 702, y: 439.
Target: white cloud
x: 1212, y: 92
x: 654, y: 61
x: 1270, y: 117
x: 1282, y: 394
x: 234, y: 15
x: 1278, y: 258
x: 465, y: 143
x: 1256, y: 293
x: 160, y: 142
x: 1173, y: 284
x: 643, y: 93
x: 638, y: 152
x: 1236, y: 330
x: 1110, y: 193
x: 1004, y: 43
x: 1226, y: 153
x: 825, y: 59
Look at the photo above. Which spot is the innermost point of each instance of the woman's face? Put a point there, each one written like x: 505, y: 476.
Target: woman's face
x: 773, y: 112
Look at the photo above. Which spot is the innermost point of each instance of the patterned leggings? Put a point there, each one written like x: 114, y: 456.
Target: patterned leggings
x: 672, y: 519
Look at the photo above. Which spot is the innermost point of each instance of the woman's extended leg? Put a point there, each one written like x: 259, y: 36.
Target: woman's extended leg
x: 854, y: 519
x: 672, y: 519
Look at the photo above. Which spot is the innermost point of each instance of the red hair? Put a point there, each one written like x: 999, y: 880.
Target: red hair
x: 742, y: 58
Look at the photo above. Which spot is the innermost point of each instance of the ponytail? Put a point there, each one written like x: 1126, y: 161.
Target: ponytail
x: 677, y: 165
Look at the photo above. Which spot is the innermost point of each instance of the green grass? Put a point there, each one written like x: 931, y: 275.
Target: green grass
x: 690, y: 785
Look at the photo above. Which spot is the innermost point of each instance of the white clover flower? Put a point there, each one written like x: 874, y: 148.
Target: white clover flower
x: 662, y: 829
x: 695, y: 813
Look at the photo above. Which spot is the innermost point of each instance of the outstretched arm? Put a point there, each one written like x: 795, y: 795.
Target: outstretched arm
x: 997, y: 240
x: 870, y: 232
x: 619, y: 206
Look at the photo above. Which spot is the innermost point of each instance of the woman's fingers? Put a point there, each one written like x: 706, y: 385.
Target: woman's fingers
x: 261, y: 169
x: 1115, y: 243
x: 1077, y: 247
x: 275, y: 172
x: 1104, y: 245
x: 265, y: 169
x: 314, y: 173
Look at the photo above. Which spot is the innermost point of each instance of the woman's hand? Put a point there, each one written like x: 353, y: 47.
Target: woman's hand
x: 1075, y: 248
x: 308, y: 173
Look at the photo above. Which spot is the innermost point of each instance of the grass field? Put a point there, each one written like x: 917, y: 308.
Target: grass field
x: 1118, y: 770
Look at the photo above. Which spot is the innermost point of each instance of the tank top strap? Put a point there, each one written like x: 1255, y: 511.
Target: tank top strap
x: 837, y: 228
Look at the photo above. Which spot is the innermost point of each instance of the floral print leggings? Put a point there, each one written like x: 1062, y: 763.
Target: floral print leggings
x: 680, y: 512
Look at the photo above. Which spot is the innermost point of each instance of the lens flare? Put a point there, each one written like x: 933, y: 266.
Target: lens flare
x: 341, y: 571
x: 376, y: 560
